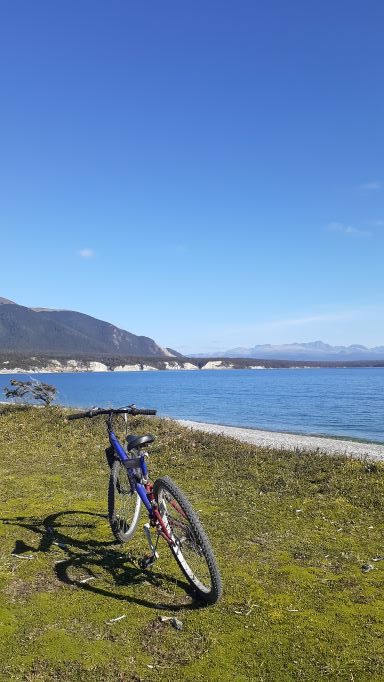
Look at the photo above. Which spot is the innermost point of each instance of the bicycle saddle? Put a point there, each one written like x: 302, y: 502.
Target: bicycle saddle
x: 134, y: 441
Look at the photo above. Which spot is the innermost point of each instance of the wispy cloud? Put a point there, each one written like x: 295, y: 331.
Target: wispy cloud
x: 371, y: 186
x: 347, y: 229
x: 86, y: 253
x: 309, y: 319
x: 377, y: 223
x: 282, y: 323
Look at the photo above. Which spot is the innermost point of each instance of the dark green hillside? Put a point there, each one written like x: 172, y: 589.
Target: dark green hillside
x: 9, y: 360
x: 299, y: 539
x: 27, y: 330
x: 34, y: 361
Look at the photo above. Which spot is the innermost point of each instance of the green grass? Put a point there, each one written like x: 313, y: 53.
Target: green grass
x: 291, y: 533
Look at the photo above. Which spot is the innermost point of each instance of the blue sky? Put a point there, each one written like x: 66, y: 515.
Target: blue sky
x: 210, y: 174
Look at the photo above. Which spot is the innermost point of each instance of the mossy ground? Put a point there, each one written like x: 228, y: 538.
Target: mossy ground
x: 291, y: 533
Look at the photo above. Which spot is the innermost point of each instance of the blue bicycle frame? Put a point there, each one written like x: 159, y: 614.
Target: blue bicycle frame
x: 144, y: 491
x: 133, y: 462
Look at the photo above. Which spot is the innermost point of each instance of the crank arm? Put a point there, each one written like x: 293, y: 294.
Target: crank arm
x: 149, y: 540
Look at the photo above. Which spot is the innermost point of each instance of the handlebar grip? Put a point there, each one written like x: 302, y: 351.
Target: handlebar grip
x: 78, y: 415
x: 146, y: 412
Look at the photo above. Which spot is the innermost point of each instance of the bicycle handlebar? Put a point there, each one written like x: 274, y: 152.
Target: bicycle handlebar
x: 96, y: 411
x: 79, y: 415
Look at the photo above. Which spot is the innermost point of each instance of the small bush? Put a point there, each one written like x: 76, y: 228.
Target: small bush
x: 35, y: 390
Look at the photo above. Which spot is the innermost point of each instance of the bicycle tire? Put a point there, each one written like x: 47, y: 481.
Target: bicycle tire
x: 192, y: 550
x: 123, y: 504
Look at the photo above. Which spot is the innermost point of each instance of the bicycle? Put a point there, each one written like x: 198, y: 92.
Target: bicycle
x: 170, y: 514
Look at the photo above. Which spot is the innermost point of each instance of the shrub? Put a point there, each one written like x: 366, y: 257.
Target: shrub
x: 35, y: 390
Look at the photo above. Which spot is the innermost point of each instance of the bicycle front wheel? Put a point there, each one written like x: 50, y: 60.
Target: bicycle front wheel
x: 123, y: 503
x: 190, y: 545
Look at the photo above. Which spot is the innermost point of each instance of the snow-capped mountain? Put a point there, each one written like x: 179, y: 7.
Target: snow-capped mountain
x: 315, y: 350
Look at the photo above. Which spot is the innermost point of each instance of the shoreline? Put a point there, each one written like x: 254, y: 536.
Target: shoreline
x: 280, y: 440
x: 148, y: 368
x: 289, y: 441
x: 78, y: 367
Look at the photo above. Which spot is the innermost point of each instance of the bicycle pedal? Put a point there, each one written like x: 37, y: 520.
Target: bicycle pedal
x: 147, y: 561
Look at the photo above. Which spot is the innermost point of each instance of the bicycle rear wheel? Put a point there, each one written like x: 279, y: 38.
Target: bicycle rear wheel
x: 123, y: 503
x: 191, y: 547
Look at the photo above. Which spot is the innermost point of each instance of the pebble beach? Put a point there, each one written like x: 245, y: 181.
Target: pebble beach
x: 290, y: 441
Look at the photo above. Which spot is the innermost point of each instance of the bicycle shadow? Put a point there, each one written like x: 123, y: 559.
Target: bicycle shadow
x: 89, y: 556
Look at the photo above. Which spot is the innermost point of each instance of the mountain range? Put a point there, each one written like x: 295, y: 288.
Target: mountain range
x: 66, y: 332
x: 313, y: 351
x: 43, y: 330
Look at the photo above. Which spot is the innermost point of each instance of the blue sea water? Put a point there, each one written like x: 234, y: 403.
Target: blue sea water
x: 327, y: 401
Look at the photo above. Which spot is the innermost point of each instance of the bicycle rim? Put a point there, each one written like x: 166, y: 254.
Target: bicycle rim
x: 123, y: 504
x: 191, y: 547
